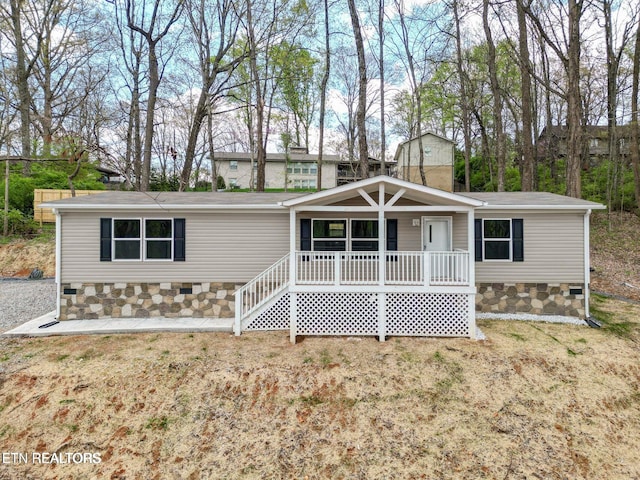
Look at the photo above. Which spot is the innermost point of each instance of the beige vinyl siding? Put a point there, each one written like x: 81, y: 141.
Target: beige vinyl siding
x: 553, y: 249
x: 220, y: 247
x: 409, y: 237
x: 274, y: 174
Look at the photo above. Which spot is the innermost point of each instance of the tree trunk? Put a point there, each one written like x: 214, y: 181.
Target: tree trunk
x: 323, y: 91
x: 261, y: 155
x: 22, y: 80
x: 464, y: 101
x: 574, y: 117
x: 154, y: 83
x: 635, y: 133
x: 363, y: 152
x: 501, y: 144
x: 194, y: 131
x: 528, y: 157
x: 154, y: 77
x: 383, y: 137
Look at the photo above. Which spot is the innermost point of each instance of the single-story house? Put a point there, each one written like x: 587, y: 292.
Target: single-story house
x: 380, y: 256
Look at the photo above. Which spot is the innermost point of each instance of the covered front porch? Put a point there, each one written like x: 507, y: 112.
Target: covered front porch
x: 378, y: 257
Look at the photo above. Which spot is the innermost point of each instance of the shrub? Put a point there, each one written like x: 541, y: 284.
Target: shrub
x: 19, y: 223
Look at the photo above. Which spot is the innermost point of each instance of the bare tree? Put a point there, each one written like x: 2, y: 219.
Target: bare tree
x: 323, y: 91
x: 496, y: 93
x: 153, y: 32
x: 363, y: 151
x: 132, y: 51
x: 464, y: 100
x: 27, y: 47
x: 568, y: 50
x: 528, y: 155
x: 214, y: 26
x: 635, y: 126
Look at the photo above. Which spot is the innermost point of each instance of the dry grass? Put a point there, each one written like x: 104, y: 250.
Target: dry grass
x: 533, y: 401
x: 19, y: 257
x: 615, y: 254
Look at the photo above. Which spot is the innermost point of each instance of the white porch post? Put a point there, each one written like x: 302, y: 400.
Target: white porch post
x: 292, y: 276
x: 471, y: 248
x: 293, y: 312
x: 587, y: 272
x: 58, y: 260
x: 382, y: 264
x: 292, y: 247
x: 237, y: 322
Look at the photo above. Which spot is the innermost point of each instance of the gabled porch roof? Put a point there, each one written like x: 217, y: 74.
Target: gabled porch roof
x: 386, y: 193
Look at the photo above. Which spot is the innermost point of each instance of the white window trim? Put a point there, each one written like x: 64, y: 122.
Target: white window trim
x: 348, y: 239
x: 142, y: 239
x: 436, y: 218
x: 352, y: 239
x: 114, y: 240
x: 510, y: 241
x: 170, y: 240
x: 345, y: 238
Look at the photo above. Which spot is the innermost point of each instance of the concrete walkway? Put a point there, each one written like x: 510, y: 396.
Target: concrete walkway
x: 37, y: 327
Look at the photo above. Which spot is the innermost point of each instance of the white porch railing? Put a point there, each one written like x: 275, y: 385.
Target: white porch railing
x: 448, y: 268
x: 401, y: 268
x: 251, y: 296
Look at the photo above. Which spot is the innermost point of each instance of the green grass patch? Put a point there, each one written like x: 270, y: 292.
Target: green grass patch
x: 325, y: 358
x: 158, y: 423
x: 610, y: 322
x: 517, y: 336
x: 312, y: 400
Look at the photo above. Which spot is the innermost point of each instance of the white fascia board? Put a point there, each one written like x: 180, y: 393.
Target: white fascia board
x: 575, y: 208
x: 107, y: 207
x: 411, y: 187
x: 407, y: 208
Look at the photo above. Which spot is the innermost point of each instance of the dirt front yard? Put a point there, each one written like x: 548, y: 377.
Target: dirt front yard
x: 534, y: 400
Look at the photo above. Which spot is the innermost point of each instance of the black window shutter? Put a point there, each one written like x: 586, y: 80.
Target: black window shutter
x: 392, y: 234
x: 105, y: 239
x: 305, y: 234
x: 517, y: 239
x: 478, y: 239
x: 179, y: 240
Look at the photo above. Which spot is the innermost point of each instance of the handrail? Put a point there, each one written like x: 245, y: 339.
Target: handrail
x: 262, y: 288
x: 401, y: 268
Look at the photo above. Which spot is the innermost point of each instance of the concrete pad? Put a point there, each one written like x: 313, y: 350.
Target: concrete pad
x: 103, y: 326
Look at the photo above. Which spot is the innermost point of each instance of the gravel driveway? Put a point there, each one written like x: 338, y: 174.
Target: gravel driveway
x: 23, y: 300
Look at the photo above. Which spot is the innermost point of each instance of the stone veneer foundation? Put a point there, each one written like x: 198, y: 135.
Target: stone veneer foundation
x: 534, y: 298
x: 216, y: 300
x: 130, y: 300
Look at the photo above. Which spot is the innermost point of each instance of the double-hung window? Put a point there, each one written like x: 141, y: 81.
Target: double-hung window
x: 127, y: 239
x: 158, y: 237
x: 329, y: 235
x: 499, y: 239
x: 364, y: 235
x: 356, y: 235
x: 139, y: 239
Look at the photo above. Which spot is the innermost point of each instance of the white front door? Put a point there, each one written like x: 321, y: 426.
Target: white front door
x: 436, y: 234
